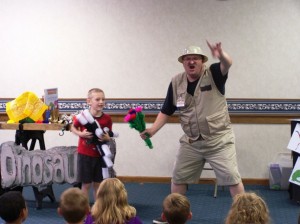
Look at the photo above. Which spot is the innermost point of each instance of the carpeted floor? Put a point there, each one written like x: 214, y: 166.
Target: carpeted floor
x: 147, y: 198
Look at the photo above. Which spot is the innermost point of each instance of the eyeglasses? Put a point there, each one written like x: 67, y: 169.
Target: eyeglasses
x: 192, y: 58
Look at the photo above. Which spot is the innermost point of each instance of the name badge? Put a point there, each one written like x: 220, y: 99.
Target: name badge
x: 205, y: 88
x: 180, y: 102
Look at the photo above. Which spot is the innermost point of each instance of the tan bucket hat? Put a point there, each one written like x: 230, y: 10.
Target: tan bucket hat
x: 192, y: 50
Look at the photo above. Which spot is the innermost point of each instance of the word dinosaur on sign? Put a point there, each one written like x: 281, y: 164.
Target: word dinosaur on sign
x: 20, y: 167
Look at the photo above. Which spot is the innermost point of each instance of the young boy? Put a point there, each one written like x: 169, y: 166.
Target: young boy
x: 13, y: 208
x: 73, y: 206
x: 89, y: 160
x: 176, y: 209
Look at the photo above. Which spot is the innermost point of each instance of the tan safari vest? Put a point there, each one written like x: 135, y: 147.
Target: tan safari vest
x: 204, y: 114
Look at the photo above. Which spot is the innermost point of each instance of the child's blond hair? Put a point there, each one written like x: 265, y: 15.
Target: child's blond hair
x: 94, y: 90
x: 111, y: 205
x: 248, y: 208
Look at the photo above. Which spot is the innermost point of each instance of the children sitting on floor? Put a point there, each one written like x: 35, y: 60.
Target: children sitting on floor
x: 247, y: 208
x: 111, y: 205
x: 73, y: 206
x: 13, y: 207
x: 176, y: 209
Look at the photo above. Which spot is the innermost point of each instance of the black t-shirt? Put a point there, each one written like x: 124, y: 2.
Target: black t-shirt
x: 169, y: 108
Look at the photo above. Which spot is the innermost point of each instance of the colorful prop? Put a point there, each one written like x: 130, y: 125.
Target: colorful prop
x: 135, y: 118
x: 27, y: 105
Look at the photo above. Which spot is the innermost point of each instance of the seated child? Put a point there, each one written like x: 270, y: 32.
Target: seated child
x: 13, y: 208
x: 73, y: 205
x: 176, y: 209
x: 111, y: 205
x: 248, y: 208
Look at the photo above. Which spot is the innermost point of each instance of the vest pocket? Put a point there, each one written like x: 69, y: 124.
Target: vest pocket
x: 218, y: 121
x: 185, y: 125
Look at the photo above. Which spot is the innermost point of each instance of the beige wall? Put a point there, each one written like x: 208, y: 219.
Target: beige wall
x: 130, y: 48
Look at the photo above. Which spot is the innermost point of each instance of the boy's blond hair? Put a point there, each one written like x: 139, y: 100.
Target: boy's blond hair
x: 248, y: 208
x: 73, y: 205
x: 94, y: 90
x: 176, y: 208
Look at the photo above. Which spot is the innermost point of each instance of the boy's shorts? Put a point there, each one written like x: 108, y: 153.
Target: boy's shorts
x: 220, y: 153
x: 89, y: 169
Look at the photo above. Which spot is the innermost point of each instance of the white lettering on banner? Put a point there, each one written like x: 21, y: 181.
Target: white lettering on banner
x: 20, y: 167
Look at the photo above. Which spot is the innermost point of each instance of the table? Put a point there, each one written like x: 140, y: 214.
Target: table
x: 33, y: 126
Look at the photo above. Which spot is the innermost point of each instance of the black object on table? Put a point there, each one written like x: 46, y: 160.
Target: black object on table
x: 22, y: 138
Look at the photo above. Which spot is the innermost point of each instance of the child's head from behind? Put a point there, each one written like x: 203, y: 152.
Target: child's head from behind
x: 73, y: 205
x: 13, y: 207
x: 112, y: 192
x: 111, y: 205
x: 96, y: 99
x: 176, y: 209
x: 248, y: 208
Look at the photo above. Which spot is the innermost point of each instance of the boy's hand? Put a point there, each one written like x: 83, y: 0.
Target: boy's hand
x: 86, y: 134
x: 104, y: 137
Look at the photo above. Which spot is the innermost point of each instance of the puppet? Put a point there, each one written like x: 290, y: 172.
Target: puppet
x: 86, y: 119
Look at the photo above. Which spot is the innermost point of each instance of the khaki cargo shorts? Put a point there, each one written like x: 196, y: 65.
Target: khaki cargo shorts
x: 219, y: 152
